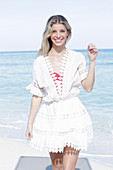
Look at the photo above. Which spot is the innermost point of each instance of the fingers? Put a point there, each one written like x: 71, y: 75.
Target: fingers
x: 92, y: 49
x: 29, y: 135
x: 29, y: 132
x: 92, y: 52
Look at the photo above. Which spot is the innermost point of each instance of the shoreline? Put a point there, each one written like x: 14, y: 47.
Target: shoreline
x: 11, y: 150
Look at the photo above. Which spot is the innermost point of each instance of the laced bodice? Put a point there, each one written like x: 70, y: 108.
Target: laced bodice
x: 58, y: 76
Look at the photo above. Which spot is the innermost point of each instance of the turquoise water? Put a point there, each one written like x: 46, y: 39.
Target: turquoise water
x: 16, y: 74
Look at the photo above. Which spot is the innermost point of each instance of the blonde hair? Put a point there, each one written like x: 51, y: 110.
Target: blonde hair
x: 46, y: 41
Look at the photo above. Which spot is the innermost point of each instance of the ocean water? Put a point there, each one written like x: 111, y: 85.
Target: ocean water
x: 16, y: 74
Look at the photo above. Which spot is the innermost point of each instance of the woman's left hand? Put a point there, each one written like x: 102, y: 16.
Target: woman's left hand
x: 92, y: 52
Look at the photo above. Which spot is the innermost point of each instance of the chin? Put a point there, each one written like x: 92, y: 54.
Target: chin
x: 59, y: 44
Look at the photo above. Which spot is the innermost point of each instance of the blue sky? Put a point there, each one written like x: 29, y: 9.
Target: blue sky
x: 22, y: 22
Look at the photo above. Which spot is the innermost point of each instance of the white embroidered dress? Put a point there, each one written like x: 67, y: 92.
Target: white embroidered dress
x: 62, y: 119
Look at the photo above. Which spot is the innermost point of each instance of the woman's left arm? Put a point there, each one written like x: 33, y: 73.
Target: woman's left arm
x: 89, y: 81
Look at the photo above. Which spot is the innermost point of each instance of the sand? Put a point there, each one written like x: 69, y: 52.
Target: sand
x: 12, y: 150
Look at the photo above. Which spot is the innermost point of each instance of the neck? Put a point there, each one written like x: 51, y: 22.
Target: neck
x: 57, y: 50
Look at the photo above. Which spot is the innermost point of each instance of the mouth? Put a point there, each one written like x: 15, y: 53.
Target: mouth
x: 58, y: 40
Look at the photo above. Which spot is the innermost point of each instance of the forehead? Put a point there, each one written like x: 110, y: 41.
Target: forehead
x: 58, y: 26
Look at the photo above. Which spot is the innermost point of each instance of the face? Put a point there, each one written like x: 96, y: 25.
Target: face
x: 59, y: 35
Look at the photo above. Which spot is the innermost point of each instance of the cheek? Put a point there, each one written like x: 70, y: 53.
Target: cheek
x: 64, y: 35
x: 52, y: 36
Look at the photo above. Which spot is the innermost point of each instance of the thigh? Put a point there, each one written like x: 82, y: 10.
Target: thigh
x: 57, y: 160
x: 70, y: 156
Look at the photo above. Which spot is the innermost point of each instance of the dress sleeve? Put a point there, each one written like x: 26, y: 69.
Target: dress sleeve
x: 82, y: 68
x: 34, y: 86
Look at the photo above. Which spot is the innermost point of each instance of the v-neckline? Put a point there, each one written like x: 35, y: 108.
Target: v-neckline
x: 61, y: 70
x: 49, y: 63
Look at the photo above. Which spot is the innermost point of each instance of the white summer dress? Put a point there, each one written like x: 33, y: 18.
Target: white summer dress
x: 62, y: 119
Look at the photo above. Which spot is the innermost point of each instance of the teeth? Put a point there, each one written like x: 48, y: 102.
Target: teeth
x: 58, y: 40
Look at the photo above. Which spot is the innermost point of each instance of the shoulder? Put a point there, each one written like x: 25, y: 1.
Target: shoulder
x: 37, y: 63
x: 38, y: 60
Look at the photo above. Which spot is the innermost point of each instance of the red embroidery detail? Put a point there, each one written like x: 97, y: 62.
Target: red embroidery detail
x: 57, y: 76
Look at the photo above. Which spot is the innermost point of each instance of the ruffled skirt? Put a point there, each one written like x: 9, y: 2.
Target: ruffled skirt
x: 62, y: 123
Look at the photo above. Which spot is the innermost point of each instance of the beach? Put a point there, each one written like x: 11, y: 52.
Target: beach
x: 12, y: 150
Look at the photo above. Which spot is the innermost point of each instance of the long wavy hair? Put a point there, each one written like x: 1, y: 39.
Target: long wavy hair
x: 46, y: 41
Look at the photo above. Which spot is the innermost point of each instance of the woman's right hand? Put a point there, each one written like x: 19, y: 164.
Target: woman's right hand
x: 29, y: 132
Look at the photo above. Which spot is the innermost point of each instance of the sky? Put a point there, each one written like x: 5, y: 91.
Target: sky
x: 22, y: 23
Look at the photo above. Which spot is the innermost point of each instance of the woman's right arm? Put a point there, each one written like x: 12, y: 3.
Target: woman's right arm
x: 35, y: 104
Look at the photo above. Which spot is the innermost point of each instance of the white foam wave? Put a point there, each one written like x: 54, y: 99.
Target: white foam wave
x: 9, y: 126
x: 19, y: 122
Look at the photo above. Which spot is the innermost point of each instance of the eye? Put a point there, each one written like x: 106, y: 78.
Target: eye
x: 62, y: 30
x: 53, y: 31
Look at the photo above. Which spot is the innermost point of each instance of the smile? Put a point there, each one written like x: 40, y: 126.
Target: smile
x: 58, y: 40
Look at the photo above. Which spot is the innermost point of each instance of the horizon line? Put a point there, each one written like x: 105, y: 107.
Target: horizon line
x: 37, y: 50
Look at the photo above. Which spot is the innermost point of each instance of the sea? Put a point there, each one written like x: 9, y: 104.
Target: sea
x: 16, y: 74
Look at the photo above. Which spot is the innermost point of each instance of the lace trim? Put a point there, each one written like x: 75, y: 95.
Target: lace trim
x: 49, y: 143
x: 62, y: 116
x: 59, y: 149
x: 86, y: 130
x: 83, y: 71
x: 34, y: 89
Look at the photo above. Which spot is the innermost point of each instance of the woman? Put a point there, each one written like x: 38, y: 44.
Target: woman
x: 62, y: 125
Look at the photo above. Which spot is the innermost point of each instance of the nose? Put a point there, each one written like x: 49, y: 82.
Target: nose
x: 58, y: 34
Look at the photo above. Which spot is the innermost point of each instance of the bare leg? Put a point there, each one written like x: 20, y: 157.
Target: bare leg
x: 57, y: 160
x: 70, y: 156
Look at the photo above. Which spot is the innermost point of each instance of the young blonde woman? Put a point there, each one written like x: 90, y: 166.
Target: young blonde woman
x: 62, y: 126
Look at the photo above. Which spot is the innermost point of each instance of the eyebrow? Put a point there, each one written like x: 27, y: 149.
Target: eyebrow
x: 59, y: 30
